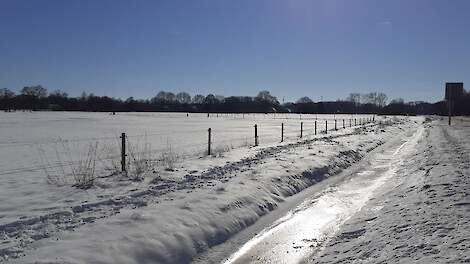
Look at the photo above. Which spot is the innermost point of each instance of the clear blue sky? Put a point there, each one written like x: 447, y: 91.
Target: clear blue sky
x: 294, y: 48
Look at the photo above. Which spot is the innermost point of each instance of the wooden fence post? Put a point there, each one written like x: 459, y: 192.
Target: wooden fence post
x: 256, y: 135
x: 282, y: 132
x: 209, y: 141
x: 123, y: 152
x: 301, y: 129
x: 315, y: 127
x: 336, y: 128
x: 326, y: 126
x: 343, y: 125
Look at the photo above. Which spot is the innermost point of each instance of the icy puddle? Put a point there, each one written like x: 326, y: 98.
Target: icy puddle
x: 299, y: 234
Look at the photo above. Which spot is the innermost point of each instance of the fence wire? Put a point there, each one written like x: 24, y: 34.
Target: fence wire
x: 235, y: 136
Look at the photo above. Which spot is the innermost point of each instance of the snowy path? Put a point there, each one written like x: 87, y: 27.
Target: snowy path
x: 302, y: 231
x: 424, y: 215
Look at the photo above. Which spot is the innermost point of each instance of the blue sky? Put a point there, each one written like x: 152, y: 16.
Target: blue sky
x: 317, y: 48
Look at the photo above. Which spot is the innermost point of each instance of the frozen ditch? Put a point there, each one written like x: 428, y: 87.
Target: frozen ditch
x: 302, y: 231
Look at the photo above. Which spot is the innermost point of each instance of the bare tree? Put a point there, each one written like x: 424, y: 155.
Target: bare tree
x: 304, y: 100
x: 59, y: 93
x: 198, y: 99
x: 210, y: 99
x: 381, y: 99
x: 6, y: 93
x: 34, y: 91
x: 354, y: 97
x: 183, y: 98
x: 265, y: 96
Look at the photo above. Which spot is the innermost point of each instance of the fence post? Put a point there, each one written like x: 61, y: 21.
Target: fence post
x: 326, y: 126
x: 355, y: 124
x: 256, y: 135
x: 350, y: 122
x: 209, y: 141
x: 123, y: 152
x: 301, y: 129
x: 315, y: 127
x: 336, y: 128
x: 343, y: 125
x: 282, y: 132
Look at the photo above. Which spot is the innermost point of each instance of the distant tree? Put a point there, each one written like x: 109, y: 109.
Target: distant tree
x: 381, y: 99
x: 59, y: 93
x: 198, y: 99
x: 304, y: 100
x: 164, y: 97
x: 6, y: 93
x: 397, y: 101
x: 183, y: 98
x: 354, y: 97
x: 265, y: 96
x: 220, y: 98
x: 210, y: 99
x: 34, y: 91
x: 369, y: 98
x: 246, y: 99
x: 170, y: 97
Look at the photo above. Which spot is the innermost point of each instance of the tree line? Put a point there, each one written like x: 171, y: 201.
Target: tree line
x: 38, y: 98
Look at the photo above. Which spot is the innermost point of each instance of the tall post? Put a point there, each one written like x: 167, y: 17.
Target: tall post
x: 336, y: 128
x: 343, y: 125
x: 355, y: 124
x: 350, y: 122
x: 256, y: 135
x: 326, y: 126
x: 123, y: 152
x: 282, y: 132
x: 449, y: 103
x: 315, y: 127
x: 301, y: 129
x: 209, y: 141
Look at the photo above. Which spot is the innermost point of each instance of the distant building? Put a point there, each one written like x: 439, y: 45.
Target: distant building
x: 454, y: 91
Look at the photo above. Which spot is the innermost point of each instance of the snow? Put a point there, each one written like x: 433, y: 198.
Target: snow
x: 173, y: 215
x: 23, y: 135
x: 423, y: 215
x: 300, y: 232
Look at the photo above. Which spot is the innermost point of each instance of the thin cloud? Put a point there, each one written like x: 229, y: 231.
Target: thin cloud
x: 385, y: 23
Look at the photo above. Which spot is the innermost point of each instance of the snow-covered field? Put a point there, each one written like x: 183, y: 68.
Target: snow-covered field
x: 174, y: 213
x: 31, y: 142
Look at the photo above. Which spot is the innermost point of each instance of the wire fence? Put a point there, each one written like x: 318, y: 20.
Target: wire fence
x: 55, y: 153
